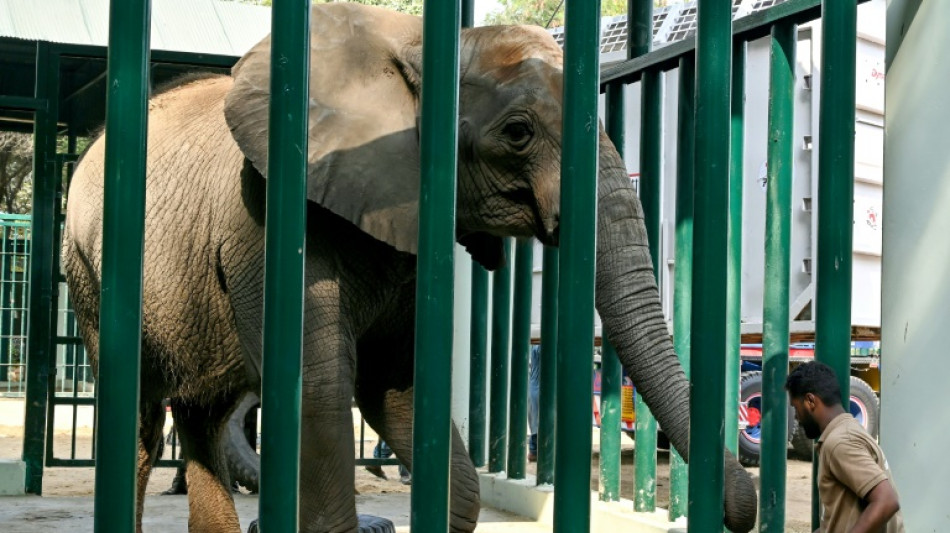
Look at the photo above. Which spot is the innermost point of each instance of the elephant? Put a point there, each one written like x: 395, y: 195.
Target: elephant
x: 202, y: 303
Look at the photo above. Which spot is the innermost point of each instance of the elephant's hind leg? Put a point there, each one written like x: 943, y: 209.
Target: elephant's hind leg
x: 210, y: 504
x: 389, y: 413
x: 151, y: 420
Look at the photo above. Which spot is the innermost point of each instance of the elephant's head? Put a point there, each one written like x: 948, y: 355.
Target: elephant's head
x: 364, y: 166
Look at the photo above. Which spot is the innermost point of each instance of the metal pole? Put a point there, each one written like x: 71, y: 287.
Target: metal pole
x: 478, y: 347
x: 835, y: 195
x: 547, y: 400
x: 708, y: 357
x: 520, y: 347
x: 734, y: 283
x: 683, y: 270
x: 41, y: 278
x: 284, y: 266
x: 777, y: 264
x: 432, y: 424
x: 576, y: 296
x: 500, y: 354
x: 477, y: 371
x: 123, y: 230
x: 611, y: 371
x: 641, y: 33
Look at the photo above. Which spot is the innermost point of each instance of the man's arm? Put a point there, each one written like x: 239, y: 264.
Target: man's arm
x: 882, y: 505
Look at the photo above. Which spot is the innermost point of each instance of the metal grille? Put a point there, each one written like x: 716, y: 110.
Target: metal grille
x: 762, y: 4
x: 684, y: 25
x: 14, y: 299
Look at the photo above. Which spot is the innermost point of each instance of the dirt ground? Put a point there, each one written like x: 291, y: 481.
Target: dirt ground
x: 71, y: 482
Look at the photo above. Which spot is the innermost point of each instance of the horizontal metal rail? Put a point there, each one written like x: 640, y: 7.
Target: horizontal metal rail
x: 750, y: 27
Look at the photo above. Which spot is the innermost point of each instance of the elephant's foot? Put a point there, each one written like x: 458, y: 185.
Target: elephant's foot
x: 367, y: 524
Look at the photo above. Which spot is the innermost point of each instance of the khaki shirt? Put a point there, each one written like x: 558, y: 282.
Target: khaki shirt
x: 850, y: 464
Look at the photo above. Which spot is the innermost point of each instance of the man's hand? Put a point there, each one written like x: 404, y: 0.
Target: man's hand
x: 882, y: 505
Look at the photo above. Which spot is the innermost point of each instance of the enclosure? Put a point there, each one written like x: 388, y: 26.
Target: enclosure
x: 736, y: 119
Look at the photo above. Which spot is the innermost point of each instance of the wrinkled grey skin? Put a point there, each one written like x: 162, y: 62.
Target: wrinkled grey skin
x: 204, y: 243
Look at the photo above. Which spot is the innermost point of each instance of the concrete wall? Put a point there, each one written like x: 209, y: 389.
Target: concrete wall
x: 915, y: 421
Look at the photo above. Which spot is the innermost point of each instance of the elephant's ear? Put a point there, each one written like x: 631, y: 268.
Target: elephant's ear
x: 365, y: 73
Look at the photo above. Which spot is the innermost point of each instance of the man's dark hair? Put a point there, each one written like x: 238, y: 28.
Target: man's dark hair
x: 817, y: 378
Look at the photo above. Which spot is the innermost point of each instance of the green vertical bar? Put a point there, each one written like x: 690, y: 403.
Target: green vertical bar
x: 286, y: 221
x: 683, y: 270
x: 500, y: 344
x: 777, y: 266
x: 611, y: 372
x: 547, y: 401
x: 734, y: 283
x: 576, y: 296
x: 651, y: 135
x: 835, y: 194
x: 41, y: 297
x: 123, y: 229
x: 478, y: 368
x: 708, y: 357
x: 520, y: 347
x: 468, y: 13
x: 432, y: 400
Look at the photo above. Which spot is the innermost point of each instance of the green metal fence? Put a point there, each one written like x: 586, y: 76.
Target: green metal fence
x: 14, y: 290
x: 710, y: 53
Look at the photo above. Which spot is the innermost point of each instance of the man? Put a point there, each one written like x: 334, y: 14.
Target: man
x: 854, y: 483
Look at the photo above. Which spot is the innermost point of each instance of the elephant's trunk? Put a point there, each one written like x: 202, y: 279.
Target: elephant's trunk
x: 629, y: 305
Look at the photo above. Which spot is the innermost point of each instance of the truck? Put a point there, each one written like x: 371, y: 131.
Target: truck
x: 678, y: 21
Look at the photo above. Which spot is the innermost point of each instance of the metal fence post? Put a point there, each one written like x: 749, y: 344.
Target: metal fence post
x: 432, y: 425
x: 708, y: 357
x: 683, y: 270
x: 576, y: 296
x: 120, y: 328
x: 478, y: 369
x: 835, y: 196
x: 651, y: 112
x: 500, y: 355
x: 611, y: 371
x: 777, y: 265
x: 42, y: 237
x: 734, y: 283
x: 520, y: 347
x: 547, y: 401
x: 284, y: 266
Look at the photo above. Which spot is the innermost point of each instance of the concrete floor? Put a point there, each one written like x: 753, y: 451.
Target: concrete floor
x: 169, y: 514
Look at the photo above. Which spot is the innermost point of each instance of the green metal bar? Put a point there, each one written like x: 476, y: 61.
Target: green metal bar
x: 285, y: 228
x: 651, y: 91
x: 708, y: 357
x: 576, y: 293
x: 547, y: 395
x: 611, y: 371
x: 120, y: 327
x: 835, y: 195
x: 734, y: 283
x: 479, y: 366
x: 500, y: 356
x: 683, y: 271
x: 23, y: 103
x: 468, y: 13
x: 520, y: 350
x: 748, y: 28
x: 778, y: 229
x: 40, y: 280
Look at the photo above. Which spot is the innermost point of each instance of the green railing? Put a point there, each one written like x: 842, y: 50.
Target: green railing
x: 706, y: 134
x: 14, y: 311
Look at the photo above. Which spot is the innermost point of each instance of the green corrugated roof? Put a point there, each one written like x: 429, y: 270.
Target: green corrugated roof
x: 202, y: 26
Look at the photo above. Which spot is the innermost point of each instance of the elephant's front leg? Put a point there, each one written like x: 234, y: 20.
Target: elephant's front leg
x: 327, y: 502
x: 389, y: 413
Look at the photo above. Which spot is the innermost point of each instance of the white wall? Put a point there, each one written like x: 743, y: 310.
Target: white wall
x: 915, y: 420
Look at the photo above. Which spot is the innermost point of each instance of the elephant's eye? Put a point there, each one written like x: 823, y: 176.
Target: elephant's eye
x: 518, y: 133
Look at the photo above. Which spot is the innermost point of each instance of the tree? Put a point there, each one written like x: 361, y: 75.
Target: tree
x: 549, y: 13
x: 16, y: 172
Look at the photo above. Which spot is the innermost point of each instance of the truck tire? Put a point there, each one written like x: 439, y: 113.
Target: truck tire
x: 865, y: 407
x: 244, y: 463
x: 750, y: 392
